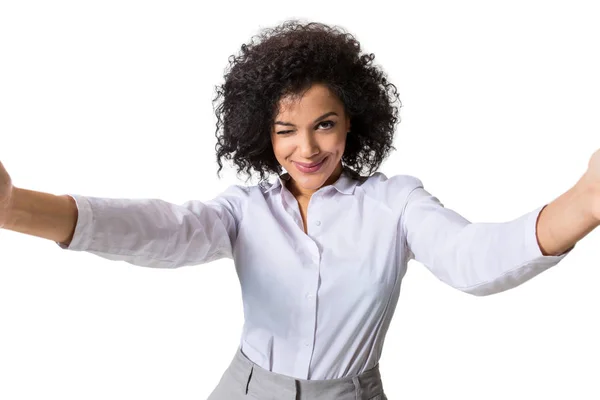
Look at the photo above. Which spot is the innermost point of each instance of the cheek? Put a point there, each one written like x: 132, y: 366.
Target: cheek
x: 281, y: 150
x: 338, y: 143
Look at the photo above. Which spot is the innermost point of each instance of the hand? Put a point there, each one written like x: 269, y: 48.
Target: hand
x: 6, y: 192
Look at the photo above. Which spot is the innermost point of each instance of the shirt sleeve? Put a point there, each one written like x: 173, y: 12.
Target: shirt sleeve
x: 476, y: 258
x: 156, y: 233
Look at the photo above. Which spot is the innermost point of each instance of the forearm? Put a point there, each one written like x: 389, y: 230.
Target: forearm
x: 42, y: 214
x: 567, y: 219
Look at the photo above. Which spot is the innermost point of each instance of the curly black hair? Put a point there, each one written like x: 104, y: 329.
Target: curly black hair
x: 287, y: 60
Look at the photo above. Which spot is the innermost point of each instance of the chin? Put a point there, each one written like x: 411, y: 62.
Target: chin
x: 311, y: 181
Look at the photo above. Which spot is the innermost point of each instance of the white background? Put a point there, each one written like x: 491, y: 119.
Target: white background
x: 113, y: 98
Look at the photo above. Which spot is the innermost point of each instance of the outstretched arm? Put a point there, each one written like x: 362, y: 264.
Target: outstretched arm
x: 487, y: 258
x: 145, y: 232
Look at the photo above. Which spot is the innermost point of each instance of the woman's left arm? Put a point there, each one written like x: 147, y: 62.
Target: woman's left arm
x: 572, y: 215
x: 484, y: 258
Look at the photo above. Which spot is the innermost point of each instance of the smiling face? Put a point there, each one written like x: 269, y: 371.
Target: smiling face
x: 309, y: 137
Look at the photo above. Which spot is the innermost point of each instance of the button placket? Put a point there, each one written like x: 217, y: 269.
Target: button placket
x: 310, y: 209
x: 310, y: 312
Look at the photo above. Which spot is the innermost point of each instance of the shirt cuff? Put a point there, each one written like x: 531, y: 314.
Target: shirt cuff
x: 82, y: 236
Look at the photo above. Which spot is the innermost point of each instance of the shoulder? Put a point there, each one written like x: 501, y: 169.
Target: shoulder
x: 391, y: 191
x: 383, y: 187
x: 234, y: 199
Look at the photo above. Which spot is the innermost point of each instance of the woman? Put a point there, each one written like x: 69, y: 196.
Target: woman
x: 321, y: 250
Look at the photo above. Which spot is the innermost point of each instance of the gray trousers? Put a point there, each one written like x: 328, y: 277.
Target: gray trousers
x: 245, y: 380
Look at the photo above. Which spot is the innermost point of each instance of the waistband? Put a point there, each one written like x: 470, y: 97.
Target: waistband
x: 263, y: 383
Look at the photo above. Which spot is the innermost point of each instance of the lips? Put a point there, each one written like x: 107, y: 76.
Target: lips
x: 309, y: 168
x: 310, y: 165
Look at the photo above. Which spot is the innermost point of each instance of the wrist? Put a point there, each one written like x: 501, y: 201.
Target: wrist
x: 7, y: 209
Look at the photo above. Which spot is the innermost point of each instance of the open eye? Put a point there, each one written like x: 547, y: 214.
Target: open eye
x: 328, y: 122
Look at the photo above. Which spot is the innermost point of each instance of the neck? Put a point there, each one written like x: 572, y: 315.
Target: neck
x: 300, y: 192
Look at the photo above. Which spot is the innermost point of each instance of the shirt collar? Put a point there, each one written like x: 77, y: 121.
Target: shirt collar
x: 345, y: 183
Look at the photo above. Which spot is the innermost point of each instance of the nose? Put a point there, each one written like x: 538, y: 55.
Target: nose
x: 308, y: 146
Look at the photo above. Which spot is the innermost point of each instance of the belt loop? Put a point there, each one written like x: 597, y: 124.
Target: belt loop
x: 357, y: 387
x: 249, y: 378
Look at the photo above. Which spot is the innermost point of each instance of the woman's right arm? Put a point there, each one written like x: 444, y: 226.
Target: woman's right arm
x: 145, y: 232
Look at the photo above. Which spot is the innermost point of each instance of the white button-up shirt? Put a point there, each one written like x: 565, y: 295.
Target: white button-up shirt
x: 317, y: 305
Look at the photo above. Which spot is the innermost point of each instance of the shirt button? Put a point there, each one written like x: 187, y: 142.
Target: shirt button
x: 309, y: 295
x: 317, y: 223
x: 306, y: 344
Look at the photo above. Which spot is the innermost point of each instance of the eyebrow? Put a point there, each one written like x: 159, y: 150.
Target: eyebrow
x: 316, y: 120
